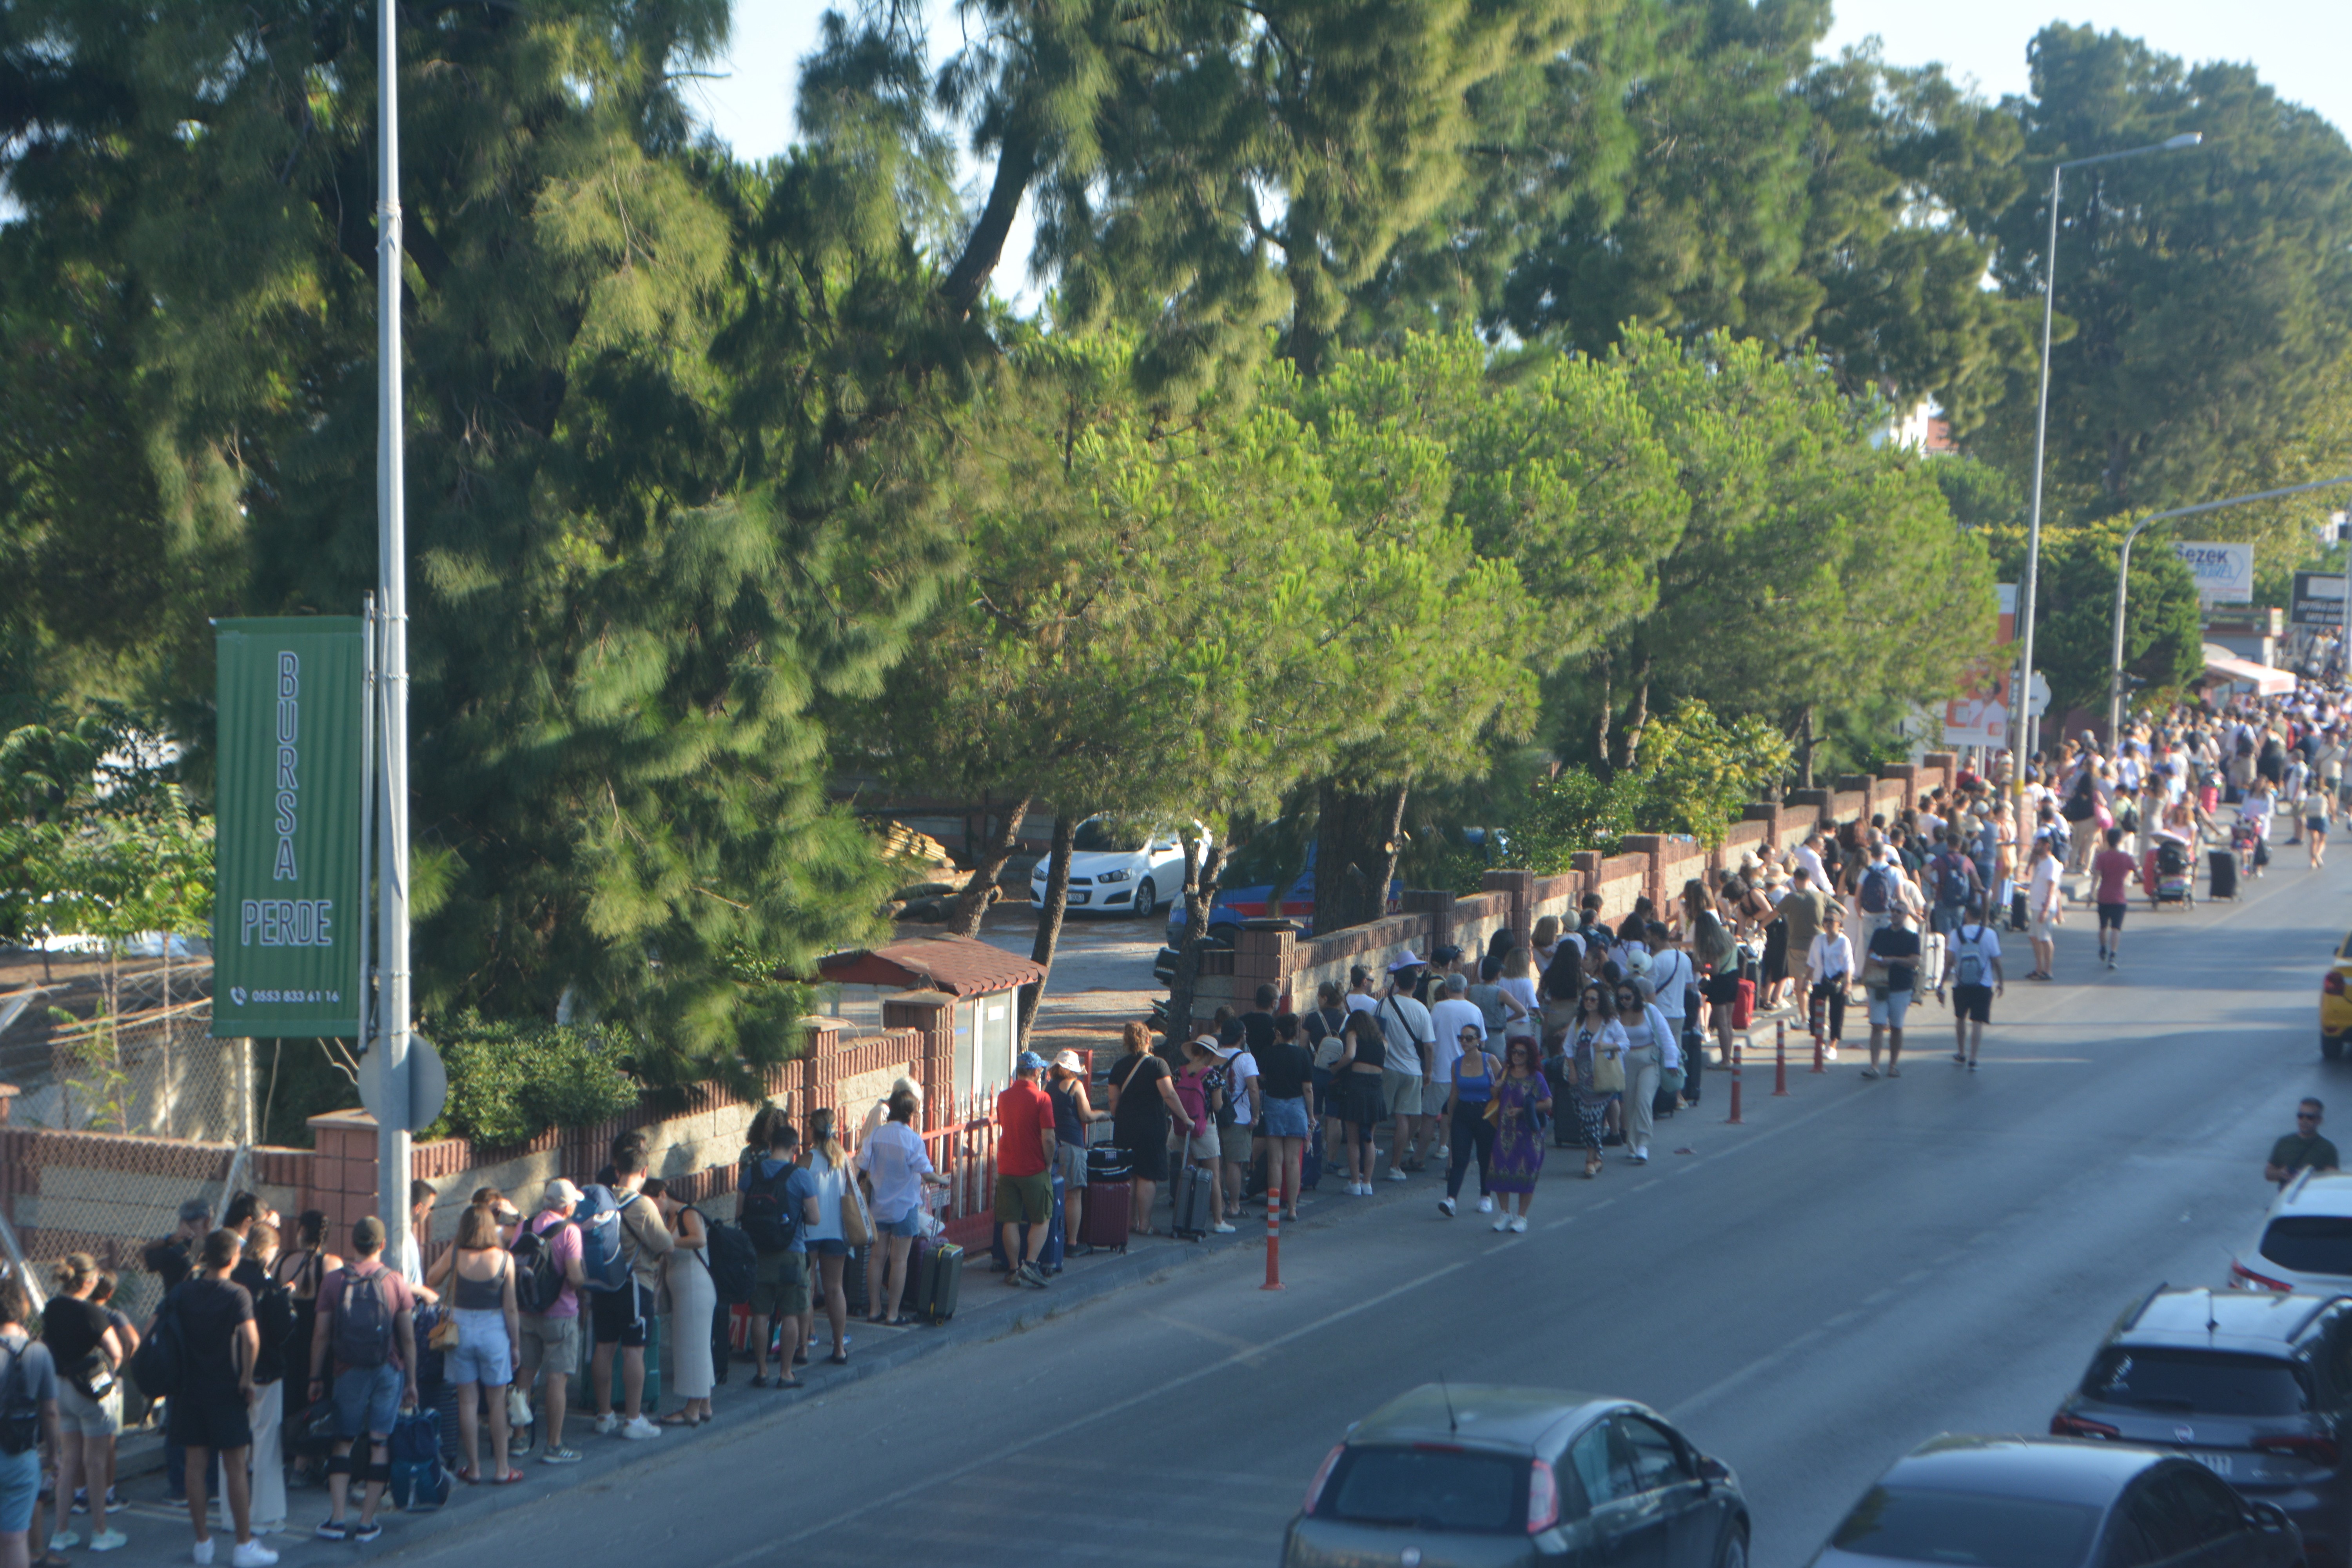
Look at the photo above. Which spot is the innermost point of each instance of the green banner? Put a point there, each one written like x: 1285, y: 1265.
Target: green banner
x: 286, y: 913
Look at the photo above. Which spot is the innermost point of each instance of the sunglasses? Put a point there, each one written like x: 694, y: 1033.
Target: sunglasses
x: 2306, y: 1116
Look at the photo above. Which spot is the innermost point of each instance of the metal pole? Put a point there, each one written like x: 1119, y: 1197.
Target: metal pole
x: 2020, y: 705
x: 391, y: 590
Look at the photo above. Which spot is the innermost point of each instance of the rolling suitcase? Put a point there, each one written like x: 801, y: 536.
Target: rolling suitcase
x: 938, y: 1282
x: 1109, y: 1163
x: 2017, y: 920
x: 1743, y: 1006
x: 1104, y: 1225
x: 1194, y: 1205
x: 2222, y: 874
x: 1931, y: 964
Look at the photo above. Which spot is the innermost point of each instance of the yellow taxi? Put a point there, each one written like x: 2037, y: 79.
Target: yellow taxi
x: 2336, y: 1005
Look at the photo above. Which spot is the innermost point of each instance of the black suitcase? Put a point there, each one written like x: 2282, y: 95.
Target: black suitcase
x: 2222, y: 874
x: 1193, y: 1203
x: 937, y: 1283
x: 2017, y: 920
x: 1694, y: 1063
x: 852, y: 1283
x: 1109, y: 1163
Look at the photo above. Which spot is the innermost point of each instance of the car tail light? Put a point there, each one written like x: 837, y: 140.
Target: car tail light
x: 1543, y: 1499
x: 1322, y: 1474
x: 2334, y: 984
x: 2245, y: 1278
x: 2064, y: 1425
x: 2315, y: 1449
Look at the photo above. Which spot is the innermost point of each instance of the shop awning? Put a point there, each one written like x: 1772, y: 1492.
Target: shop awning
x: 2266, y: 681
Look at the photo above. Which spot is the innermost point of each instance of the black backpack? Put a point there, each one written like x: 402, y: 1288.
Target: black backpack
x: 767, y: 1215
x: 20, y: 1415
x: 538, y: 1280
x: 161, y: 1358
x: 734, y: 1261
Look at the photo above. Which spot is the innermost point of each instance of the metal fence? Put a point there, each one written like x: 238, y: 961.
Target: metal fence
x: 156, y: 1072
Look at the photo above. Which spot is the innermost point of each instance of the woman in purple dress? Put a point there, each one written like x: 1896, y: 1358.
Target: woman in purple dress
x: 1522, y: 1095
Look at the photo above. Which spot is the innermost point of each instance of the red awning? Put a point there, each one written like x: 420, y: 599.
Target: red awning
x: 960, y: 965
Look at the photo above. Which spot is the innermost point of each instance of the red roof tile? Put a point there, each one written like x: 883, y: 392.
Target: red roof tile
x: 961, y: 966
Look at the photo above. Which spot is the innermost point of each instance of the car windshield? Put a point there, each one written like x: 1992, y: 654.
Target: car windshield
x: 2310, y: 1243
x: 1913, y: 1524
x: 2208, y: 1383
x: 1428, y: 1488
x: 1111, y: 835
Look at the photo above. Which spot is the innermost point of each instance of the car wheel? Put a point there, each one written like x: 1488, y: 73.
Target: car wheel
x: 1146, y: 898
x: 1735, y: 1549
x: 2331, y: 1048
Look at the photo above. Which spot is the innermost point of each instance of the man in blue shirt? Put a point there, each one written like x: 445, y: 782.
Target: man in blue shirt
x: 777, y: 1202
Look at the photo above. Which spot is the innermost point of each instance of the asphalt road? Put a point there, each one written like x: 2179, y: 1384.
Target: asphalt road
x: 1862, y: 1265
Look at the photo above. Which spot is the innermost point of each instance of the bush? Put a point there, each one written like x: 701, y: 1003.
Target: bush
x: 510, y: 1081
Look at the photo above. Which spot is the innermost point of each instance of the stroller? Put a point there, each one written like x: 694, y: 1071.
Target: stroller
x: 2246, y: 843
x: 2170, y: 876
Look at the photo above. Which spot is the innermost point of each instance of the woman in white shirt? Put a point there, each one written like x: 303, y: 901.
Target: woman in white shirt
x: 1831, y: 959
x: 1519, y: 986
x: 1647, y: 1040
x: 897, y: 1170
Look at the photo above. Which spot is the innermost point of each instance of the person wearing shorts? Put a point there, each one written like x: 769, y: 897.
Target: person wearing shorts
x: 1974, y: 941
x: 367, y: 1399
x: 2111, y: 874
x: 2318, y: 808
x: 780, y: 1271
x: 1027, y: 1147
x: 30, y: 1372
x: 1074, y: 1114
x: 1895, y: 947
x: 549, y: 1341
x: 619, y: 1317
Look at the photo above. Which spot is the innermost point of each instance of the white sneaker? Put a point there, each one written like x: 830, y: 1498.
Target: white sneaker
x: 1395, y: 1174
x: 640, y: 1429
x: 253, y: 1554
x: 1221, y: 1228
x: 1503, y: 1223
x: 608, y: 1424
x: 1445, y: 1208
x: 203, y: 1554
x: 1486, y: 1204
x: 1642, y: 1155
x: 1520, y: 1225
x: 1444, y: 1152
x: 64, y: 1540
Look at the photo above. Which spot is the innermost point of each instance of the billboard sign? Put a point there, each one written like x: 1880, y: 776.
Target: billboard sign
x: 2224, y: 573
x: 287, y: 878
x: 1979, y: 716
x: 2318, y: 600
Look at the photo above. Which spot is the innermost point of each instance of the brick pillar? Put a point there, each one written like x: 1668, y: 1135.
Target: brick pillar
x: 931, y: 1014
x: 1520, y: 886
x: 818, y: 1063
x: 343, y: 1172
x: 1652, y: 848
x: 7, y: 1093
x: 1815, y: 803
x: 1940, y: 768
x: 1263, y: 954
x: 1434, y: 905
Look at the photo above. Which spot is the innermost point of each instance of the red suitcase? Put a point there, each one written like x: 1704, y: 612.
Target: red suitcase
x: 1104, y: 1222
x: 1743, y: 1006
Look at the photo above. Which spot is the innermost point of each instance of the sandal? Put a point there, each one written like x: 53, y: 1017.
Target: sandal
x: 788, y: 1382
x: 467, y: 1475
x: 509, y: 1478
x: 679, y: 1420
x: 838, y: 1358
x: 904, y: 1321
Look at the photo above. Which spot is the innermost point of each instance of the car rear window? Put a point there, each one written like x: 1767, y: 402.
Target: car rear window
x: 2207, y: 1383
x: 1430, y: 1487
x: 2310, y: 1243
x: 1916, y: 1525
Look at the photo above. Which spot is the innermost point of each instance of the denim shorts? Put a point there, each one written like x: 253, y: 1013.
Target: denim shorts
x: 910, y: 1224
x: 829, y: 1247
x: 367, y: 1401
x: 482, y: 1354
x: 20, y: 1482
x: 1286, y: 1119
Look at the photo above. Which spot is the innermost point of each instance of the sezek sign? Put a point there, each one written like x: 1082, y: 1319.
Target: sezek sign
x: 2224, y: 571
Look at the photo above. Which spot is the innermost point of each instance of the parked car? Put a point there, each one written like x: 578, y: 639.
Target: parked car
x: 2336, y: 1003
x: 2055, y: 1502
x: 1255, y: 900
x: 1120, y: 866
x: 2304, y: 1241
x: 1477, y: 1475
x: 2250, y: 1386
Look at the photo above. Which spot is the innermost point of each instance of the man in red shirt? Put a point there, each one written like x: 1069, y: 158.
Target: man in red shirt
x: 2111, y: 875
x: 1024, y: 1153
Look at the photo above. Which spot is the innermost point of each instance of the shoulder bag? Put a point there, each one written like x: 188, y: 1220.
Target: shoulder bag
x: 857, y: 1224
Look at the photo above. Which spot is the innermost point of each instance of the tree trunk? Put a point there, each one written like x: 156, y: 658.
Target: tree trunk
x: 1805, y: 742
x: 1204, y: 864
x: 1600, y: 727
x: 965, y: 914
x: 1049, y: 920
x: 1357, y: 840
x: 1639, y: 718
x: 1016, y: 165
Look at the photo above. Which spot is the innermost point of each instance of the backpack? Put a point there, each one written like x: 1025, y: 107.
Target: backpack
x: 538, y: 1280
x: 734, y: 1261
x: 598, y: 1215
x: 768, y: 1217
x: 274, y: 1315
x: 363, y: 1321
x: 20, y: 1417
x: 162, y: 1356
x: 1951, y: 879
x: 1877, y: 892
x: 1968, y: 958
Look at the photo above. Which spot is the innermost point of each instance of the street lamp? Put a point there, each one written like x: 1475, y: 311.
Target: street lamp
x: 2123, y: 580
x: 2021, y: 709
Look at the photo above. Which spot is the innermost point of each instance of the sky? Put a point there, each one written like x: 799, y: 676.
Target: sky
x: 2299, y: 47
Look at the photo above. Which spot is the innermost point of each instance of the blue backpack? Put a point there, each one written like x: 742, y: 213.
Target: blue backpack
x: 419, y: 1480
x: 598, y: 1217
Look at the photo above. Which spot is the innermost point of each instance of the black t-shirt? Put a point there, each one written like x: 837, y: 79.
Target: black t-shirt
x: 1283, y: 1071
x: 1257, y: 1033
x: 1899, y: 950
x: 1325, y: 1021
x: 269, y: 1365
x: 71, y: 1328
x: 210, y: 1311
x: 1142, y: 1115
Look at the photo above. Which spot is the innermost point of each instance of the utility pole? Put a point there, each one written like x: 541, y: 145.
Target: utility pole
x: 391, y: 1011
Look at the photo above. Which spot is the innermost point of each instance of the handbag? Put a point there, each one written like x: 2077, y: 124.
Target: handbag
x: 1607, y: 1071
x: 857, y: 1224
x: 518, y: 1407
x: 444, y: 1337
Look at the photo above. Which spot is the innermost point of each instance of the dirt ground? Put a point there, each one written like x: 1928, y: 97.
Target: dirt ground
x: 1102, y: 974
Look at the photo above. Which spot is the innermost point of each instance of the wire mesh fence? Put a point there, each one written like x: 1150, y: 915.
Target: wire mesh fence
x: 156, y: 1072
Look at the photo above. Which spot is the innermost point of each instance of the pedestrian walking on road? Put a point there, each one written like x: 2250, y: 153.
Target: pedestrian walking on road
x: 1596, y: 1059
x: 1890, y: 972
x: 1522, y: 1100
x: 1977, y: 979
x: 2303, y: 1149
x: 1830, y: 961
x: 2112, y: 871
x: 1143, y: 1108
x: 2318, y: 814
x: 898, y: 1168
x: 481, y: 1288
x: 549, y: 1340
x: 2045, y: 908
x: 1471, y: 1135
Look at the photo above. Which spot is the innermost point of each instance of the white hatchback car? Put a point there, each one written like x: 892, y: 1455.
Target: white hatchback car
x: 2305, y: 1239
x: 1119, y: 866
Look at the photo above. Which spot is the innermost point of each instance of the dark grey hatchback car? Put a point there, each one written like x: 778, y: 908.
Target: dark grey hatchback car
x: 1480, y: 1476
x: 2254, y: 1387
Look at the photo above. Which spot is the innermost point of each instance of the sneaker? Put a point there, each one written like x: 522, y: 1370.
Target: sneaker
x: 1444, y: 1152
x: 1445, y: 1208
x: 1518, y: 1225
x: 203, y: 1554
x: 640, y: 1429
x: 64, y: 1540
x: 108, y: 1540
x: 608, y: 1424
x: 1219, y: 1228
x: 253, y: 1554
x: 1395, y: 1174
x: 1503, y: 1223
x: 333, y: 1530
x: 1830, y: 1054
x: 1642, y: 1155
x: 559, y: 1457
x: 1486, y: 1204
x: 1034, y: 1277
x: 369, y: 1531
x: 81, y: 1501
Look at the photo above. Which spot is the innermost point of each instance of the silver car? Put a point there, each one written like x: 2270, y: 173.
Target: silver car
x: 1479, y: 1476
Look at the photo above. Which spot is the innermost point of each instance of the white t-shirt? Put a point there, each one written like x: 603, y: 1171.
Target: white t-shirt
x: 1827, y: 958
x: 1983, y: 939
x: 1670, y: 972
x: 2042, y: 897
x: 1358, y: 1002
x: 1449, y: 1019
x: 1815, y: 872
x: 1520, y: 988
x: 1240, y: 1069
x: 894, y: 1157
x: 1404, y: 1024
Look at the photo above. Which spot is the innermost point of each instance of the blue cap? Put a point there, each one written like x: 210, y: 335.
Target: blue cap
x: 1031, y: 1062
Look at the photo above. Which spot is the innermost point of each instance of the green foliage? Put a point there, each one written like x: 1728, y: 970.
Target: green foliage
x: 1698, y: 772
x: 510, y: 1081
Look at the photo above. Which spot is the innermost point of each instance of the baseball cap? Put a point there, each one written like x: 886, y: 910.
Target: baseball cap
x: 1031, y: 1062
x: 367, y: 1235
x: 194, y: 1210
x: 556, y: 1194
